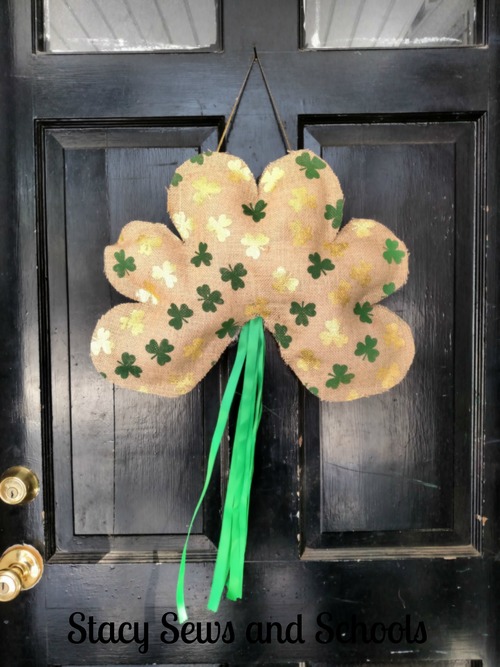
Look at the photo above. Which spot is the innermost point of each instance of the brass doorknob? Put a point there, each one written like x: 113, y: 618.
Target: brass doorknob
x: 21, y: 567
x: 18, y: 485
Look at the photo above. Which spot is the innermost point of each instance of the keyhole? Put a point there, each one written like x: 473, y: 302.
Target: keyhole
x: 5, y: 587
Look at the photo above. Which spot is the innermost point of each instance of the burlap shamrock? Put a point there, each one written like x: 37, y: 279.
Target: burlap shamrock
x: 272, y: 250
x: 250, y: 255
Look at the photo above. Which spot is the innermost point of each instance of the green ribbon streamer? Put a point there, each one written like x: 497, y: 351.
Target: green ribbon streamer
x: 230, y: 560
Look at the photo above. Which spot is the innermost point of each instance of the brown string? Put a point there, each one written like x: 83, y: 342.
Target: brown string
x: 236, y: 103
x: 281, y: 125
x: 273, y: 103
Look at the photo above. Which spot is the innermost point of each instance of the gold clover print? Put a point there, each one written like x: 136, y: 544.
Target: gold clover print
x: 272, y: 250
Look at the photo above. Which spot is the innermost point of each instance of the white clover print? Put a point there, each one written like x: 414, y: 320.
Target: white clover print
x: 165, y: 272
x: 239, y: 171
x: 183, y: 224
x: 101, y: 342
x: 270, y: 178
x: 255, y: 244
x: 272, y: 250
x: 220, y: 227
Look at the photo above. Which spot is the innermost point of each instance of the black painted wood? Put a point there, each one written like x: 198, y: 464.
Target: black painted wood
x: 113, y: 498
x: 382, y: 469
x: 418, y: 120
x: 439, y: 663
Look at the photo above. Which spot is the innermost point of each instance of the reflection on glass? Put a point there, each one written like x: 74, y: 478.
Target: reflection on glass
x: 129, y: 25
x: 360, y: 24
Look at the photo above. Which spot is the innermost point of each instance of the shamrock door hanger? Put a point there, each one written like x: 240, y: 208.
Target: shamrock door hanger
x: 273, y: 251
x: 250, y: 256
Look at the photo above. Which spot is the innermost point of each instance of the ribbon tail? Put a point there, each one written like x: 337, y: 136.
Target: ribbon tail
x: 230, y: 560
x: 231, y: 555
x: 220, y: 426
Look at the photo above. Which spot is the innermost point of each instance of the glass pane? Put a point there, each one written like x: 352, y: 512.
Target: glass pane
x: 361, y: 24
x: 129, y: 25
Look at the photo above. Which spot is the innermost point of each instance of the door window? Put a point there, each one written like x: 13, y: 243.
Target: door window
x: 129, y: 25
x: 361, y: 24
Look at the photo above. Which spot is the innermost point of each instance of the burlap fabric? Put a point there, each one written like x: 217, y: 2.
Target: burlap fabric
x: 272, y: 250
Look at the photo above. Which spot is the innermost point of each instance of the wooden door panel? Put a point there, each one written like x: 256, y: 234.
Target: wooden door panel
x: 123, y: 480
x: 393, y: 470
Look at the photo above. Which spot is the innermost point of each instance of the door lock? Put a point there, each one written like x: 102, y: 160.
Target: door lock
x: 18, y: 486
x: 21, y: 568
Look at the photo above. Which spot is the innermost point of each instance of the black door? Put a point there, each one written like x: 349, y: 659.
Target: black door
x: 365, y: 515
